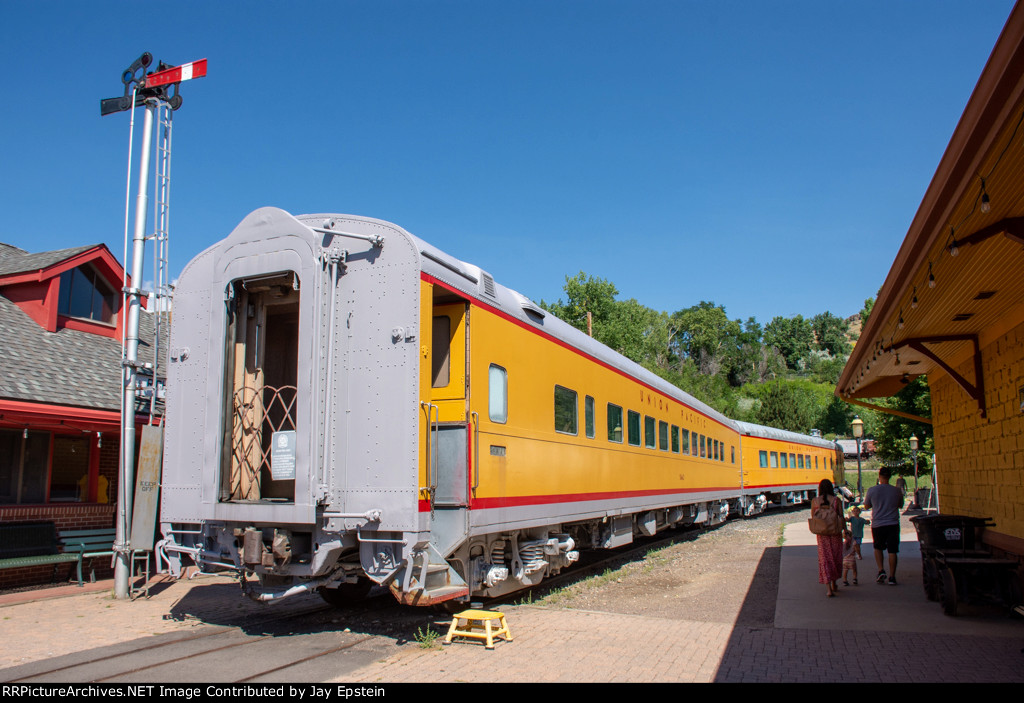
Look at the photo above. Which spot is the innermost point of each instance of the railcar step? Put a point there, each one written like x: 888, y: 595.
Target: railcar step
x: 479, y: 626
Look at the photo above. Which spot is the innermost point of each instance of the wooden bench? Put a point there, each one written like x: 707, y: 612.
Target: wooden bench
x: 35, y: 544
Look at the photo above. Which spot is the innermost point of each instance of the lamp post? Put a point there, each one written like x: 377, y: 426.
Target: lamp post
x: 913, y: 452
x: 858, y: 433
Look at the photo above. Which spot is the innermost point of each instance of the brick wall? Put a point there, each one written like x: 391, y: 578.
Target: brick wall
x: 980, y: 461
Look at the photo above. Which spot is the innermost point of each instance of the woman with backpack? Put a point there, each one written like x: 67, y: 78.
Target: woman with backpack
x: 827, y: 523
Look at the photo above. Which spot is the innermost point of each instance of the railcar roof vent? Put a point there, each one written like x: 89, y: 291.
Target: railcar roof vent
x: 487, y: 284
x: 534, y: 313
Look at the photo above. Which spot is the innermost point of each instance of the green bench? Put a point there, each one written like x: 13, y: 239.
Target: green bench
x: 35, y: 544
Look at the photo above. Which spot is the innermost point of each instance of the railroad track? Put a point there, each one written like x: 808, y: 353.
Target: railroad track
x: 297, y: 644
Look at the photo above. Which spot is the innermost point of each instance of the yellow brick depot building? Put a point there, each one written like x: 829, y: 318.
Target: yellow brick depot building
x: 952, y: 305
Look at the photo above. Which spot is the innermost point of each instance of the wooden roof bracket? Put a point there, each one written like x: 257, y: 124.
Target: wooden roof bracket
x: 976, y: 390
x: 1012, y: 227
x: 887, y: 411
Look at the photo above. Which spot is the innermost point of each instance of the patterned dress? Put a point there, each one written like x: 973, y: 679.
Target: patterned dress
x: 830, y: 548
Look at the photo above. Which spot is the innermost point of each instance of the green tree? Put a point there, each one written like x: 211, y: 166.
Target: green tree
x: 865, y: 311
x: 638, y: 333
x: 705, y: 335
x: 793, y: 336
x: 830, y: 334
x: 786, y: 406
x: 892, y: 433
x: 585, y: 294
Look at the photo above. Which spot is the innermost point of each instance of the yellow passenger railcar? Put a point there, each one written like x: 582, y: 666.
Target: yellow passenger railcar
x: 349, y: 405
x: 785, y: 466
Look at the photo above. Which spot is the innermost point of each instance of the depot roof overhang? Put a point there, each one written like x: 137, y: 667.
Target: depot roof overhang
x: 958, y: 280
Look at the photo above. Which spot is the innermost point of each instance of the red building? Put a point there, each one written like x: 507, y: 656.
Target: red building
x: 60, y: 391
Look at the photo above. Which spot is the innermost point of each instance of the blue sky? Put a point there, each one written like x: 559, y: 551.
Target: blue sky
x: 766, y: 155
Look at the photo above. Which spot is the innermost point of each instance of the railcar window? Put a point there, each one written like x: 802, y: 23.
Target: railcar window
x: 663, y: 436
x: 792, y: 461
x: 633, y: 429
x: 703, y: 451
x: 775, y: 460
x: 800, y: 461
x: 497, y: 393
x: 649, y: 440
x: 762, y: 457
x: 807, y: 461
x: 815, y: 463
x: 732, y: 453
x: 785, y: 460
x: 714, y: 449
x: 675, y: 439
x: 614, y: 423
x: 442, y: 353
x: 565, y: 410
x: 588, y: 411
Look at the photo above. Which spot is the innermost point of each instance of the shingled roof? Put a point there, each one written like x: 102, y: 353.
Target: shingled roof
x: 68, y: 367
x: 15, y: 260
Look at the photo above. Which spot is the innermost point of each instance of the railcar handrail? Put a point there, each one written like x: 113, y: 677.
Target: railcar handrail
x: 431, y: 450
x: 476, y: 449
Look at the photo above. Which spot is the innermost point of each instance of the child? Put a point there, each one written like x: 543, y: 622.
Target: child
x: 849, y: 557
x: 857, y: 528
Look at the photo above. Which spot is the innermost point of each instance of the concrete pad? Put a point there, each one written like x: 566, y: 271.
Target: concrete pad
x: 871, y: 607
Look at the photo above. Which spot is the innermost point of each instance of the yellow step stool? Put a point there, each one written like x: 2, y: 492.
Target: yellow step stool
x: 477, y: 620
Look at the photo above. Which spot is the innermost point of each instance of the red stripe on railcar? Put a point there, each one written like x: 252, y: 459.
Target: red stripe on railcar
x: 517, y: 501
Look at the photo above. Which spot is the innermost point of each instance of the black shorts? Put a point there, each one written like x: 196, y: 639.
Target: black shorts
x: 886, y: 537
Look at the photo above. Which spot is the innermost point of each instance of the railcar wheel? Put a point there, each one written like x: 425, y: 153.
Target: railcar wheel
x: 948, y: 592
x: 346, y: 593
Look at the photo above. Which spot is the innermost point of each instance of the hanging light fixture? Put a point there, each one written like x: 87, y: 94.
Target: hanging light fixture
x: 913, y: 302
x: 986, y: 205
x: 953, y: 248
x: 931, y: 276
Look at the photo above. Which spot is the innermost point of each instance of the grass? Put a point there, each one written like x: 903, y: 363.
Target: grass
x: 869, y: 475
x: 782, y: 536
x: 525, y: 599
x: 556, y: 596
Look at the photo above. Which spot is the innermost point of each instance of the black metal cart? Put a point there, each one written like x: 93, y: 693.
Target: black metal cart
x: 957, y: 567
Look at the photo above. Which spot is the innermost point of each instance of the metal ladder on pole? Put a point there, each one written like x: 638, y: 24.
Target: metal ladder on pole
x: 156, y: 91
x: 160, y: 302
x: 162, y: 289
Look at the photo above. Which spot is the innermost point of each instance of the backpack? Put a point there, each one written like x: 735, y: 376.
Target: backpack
x: 825, y: 520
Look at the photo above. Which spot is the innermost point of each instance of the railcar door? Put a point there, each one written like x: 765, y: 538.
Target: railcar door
x: 448, y: 451
x: 449, y: 394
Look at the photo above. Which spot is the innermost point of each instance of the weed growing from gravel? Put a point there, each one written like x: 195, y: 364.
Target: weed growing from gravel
x: 427, y: 638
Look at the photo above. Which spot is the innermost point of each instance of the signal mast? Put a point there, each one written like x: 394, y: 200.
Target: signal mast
x: 158, y: 92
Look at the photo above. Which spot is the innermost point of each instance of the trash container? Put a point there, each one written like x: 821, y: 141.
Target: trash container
x: 948, y: 531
